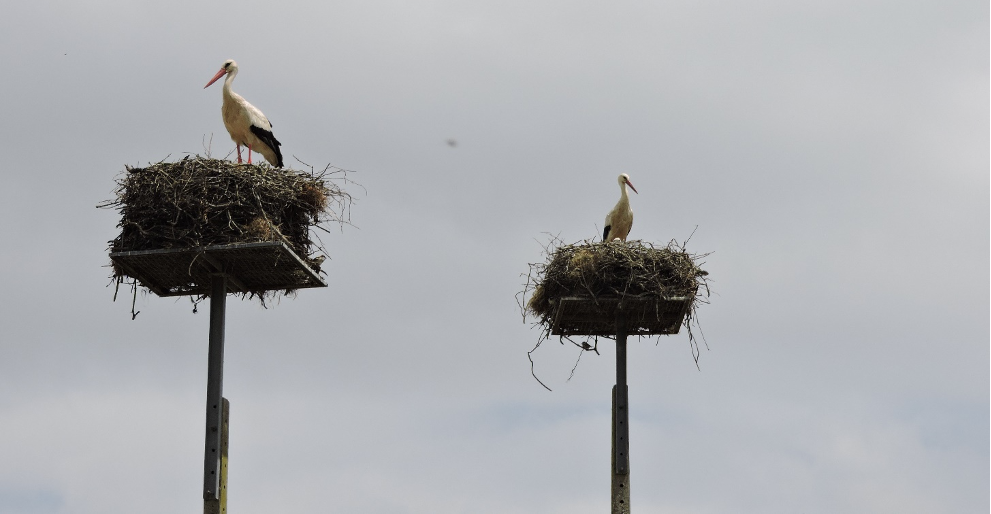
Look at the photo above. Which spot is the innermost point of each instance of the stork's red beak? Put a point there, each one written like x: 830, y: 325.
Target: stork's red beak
x: 627, y: 180
x: 219, y: 74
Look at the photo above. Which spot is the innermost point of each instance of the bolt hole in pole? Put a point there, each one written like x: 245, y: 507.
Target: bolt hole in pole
x: 620, y: 426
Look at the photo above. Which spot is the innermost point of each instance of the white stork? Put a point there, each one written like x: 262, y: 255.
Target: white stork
x: 619, y: 221
x: 245, y: 123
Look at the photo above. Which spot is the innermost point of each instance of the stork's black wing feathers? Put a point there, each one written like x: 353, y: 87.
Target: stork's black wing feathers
x: 605, y: 232
x: 268, y: 138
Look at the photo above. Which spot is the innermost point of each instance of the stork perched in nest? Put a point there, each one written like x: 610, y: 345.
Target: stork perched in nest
x: 245, y: 123
x: 619, y: 221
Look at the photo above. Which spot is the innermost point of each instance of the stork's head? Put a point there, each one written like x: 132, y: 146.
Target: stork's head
x: 624, y: 180
x: 229, y: 67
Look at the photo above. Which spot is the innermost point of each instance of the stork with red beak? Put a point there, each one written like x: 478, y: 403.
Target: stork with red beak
x: 245, y: 123
x: 619, y: 221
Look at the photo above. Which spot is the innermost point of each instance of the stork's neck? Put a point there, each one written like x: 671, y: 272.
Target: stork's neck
x: 228, y: 81
x: 624, y: 197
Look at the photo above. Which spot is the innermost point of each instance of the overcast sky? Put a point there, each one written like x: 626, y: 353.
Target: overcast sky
x: 833, y: 155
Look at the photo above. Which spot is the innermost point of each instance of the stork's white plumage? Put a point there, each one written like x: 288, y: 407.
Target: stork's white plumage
x: 619, y: 221
x: 245, y: 123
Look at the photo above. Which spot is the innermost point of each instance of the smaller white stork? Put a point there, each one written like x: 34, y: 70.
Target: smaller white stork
x: 619, y: 221
x: 245, y: 123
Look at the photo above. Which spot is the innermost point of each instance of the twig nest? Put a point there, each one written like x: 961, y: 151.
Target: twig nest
x: 592, y: 289
x: 202, y: 202
x: 199, y: 202
x: 610, y: 271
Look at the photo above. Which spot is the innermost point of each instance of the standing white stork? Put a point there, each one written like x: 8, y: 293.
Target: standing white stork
x: 245, y: 123
x: 619, y: 221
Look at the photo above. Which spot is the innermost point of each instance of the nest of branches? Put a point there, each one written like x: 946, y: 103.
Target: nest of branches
x: 198, y: 202
x: 613, y: 269
x: 604, y: 273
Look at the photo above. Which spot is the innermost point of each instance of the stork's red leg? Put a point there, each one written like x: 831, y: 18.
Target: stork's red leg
x: 249, y: 154
x: 239, y: 154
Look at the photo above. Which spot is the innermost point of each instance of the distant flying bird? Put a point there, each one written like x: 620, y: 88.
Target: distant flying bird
x: 619, y: 221
x: 453, y: 143
x: 245, y: 123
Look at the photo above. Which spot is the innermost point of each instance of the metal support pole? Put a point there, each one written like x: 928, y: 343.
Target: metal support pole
x: 620, y: 425
x: 219, y: 506
x: 214, y: 390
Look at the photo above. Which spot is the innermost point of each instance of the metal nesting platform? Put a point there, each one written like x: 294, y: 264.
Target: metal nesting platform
x: 597, y: 316
x: 249, y: 267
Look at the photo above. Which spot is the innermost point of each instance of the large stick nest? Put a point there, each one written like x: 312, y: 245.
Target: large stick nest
x: 199, y: 202
x: 607, y: 271
x: 612, y: 269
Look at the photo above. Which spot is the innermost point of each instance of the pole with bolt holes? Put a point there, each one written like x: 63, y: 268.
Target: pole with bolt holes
x: 620, y: 424
x: 217, y: 407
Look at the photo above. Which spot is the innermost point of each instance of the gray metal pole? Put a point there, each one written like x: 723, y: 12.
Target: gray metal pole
x: 219, y: 506
x: 620, y: 425
x: 215, y: 389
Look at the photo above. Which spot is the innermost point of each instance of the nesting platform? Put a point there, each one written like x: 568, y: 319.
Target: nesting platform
x: 597, y: 316
x: 250, y: 268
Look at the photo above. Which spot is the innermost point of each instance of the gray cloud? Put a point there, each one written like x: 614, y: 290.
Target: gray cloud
x: 833, y: 157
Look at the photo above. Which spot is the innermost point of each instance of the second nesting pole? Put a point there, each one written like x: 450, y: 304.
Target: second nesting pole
x: 620, y: 424
x: 620, y: 316
x: 614, y: 290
